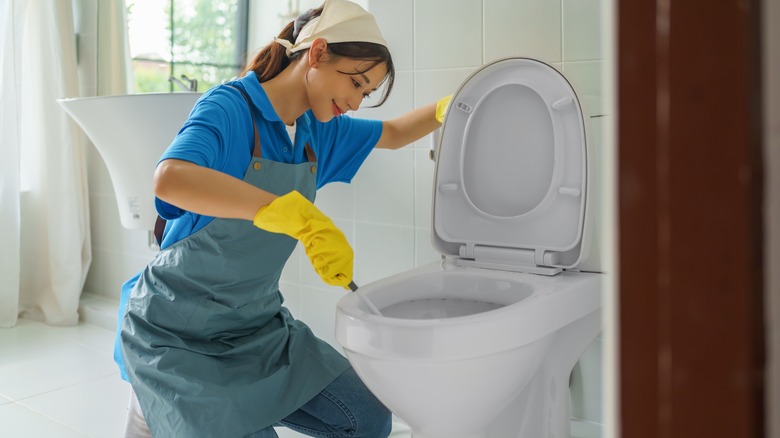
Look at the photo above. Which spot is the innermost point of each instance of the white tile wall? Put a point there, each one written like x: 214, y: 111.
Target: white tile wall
x: 382, y: 250
x: 311, y: 311
x: 581, y: 30
x: 395, y: 18
x: 447, y: 34
x: 385, y: 213
x: 529, y: 28
x: 384, y: 188
x: 586, y: 76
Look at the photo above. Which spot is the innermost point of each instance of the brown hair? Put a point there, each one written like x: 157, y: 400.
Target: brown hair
x: 272, y: 59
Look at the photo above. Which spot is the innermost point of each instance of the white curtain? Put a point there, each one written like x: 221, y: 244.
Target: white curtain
x: 9, y: 169
x: 114, y: 71
x: 43, y: 157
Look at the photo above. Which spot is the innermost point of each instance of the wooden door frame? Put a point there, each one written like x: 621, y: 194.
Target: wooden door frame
x: 689, y: 211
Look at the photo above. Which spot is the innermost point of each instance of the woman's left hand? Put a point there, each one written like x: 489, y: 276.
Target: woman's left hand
x: 441, y: 108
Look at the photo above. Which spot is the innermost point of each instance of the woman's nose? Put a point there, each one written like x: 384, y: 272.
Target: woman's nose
x: 354, y: 102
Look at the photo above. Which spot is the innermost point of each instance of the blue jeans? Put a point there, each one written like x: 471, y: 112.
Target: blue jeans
x: 345, y: 408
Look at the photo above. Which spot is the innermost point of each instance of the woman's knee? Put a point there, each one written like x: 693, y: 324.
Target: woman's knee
x: 371, y: 419
x: 376, y: 424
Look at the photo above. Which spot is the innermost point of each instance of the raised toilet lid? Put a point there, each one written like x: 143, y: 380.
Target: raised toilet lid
x: 511, y: 170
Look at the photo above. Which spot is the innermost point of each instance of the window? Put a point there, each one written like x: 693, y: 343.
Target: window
x: 175, y: 41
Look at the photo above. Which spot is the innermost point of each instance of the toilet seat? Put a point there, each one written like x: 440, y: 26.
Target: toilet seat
x: 510, y: 184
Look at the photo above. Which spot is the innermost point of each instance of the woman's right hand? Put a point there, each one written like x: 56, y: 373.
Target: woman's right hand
x: 326, y: 246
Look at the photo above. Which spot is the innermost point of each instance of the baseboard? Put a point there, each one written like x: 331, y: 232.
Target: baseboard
x: 99, y: 311
x: 586, y: 429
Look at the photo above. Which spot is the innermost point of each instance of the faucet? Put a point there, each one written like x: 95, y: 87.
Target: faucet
x: 191, y: 85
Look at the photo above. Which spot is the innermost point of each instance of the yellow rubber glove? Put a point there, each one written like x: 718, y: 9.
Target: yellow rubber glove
x: 441, y: 108
x: 326, y: 246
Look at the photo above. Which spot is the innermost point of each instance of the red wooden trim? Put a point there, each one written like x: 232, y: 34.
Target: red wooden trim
x: 690, y: 224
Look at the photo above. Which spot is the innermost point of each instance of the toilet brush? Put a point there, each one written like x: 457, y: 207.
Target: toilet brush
x: 353, y: 287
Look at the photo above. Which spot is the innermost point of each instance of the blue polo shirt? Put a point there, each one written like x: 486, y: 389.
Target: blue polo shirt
x: 218, y: 134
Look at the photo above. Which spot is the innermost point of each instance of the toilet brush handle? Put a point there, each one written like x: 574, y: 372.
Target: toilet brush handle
x: 353, y: 287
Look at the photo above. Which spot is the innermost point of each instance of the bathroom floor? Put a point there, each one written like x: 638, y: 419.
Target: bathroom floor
x: 62, y: 382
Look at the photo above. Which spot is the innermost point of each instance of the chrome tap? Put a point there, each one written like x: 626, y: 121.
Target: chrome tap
x: 191, y: 84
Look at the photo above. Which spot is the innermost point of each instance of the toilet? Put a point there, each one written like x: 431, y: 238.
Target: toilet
x: 482, y: 343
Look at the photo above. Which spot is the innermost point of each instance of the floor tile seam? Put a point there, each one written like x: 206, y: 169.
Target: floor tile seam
x: 32, y: 358
x: 105, y: 351
x: 59, y: 339
x: 37, y: 412
x: 60, y: 388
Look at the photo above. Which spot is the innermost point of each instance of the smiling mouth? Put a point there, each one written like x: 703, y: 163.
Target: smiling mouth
x: 337, y: 111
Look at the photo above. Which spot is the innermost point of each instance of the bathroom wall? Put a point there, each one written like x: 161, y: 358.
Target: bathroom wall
x: 386, y: 212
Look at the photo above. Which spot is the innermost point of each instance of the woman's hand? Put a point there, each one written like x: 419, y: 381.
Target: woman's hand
x: 326, y: 246
x: 412, y: 126
x: 441, y: 108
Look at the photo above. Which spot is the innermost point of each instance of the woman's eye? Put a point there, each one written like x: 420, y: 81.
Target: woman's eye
x: 355, y: 83
x: 366, y: 95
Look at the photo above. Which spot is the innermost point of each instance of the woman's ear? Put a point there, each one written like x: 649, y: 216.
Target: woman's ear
x: 318, y: 52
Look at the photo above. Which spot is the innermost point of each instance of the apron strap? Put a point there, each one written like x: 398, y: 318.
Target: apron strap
x: 159, y: 225
x: 310, y: 153
x: 257, y: 151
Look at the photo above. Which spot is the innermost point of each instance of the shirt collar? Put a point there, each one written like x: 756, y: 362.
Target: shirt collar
x: 260, y: 100
x: 258, y: 97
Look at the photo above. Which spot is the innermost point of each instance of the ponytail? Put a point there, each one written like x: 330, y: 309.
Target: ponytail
x: 272, y: 59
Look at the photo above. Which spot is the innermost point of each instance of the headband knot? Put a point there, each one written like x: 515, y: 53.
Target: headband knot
x: 341, y: 21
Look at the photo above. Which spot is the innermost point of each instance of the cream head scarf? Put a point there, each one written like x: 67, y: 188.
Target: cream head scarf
x: 341, y: 21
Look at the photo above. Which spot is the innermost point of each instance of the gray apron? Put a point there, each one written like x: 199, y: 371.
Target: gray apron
x: 209, y: 349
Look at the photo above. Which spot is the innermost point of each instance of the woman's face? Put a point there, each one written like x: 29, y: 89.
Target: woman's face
x: 335, y: 85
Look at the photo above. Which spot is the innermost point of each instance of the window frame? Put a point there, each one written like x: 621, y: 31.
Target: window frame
x: 240, y: 52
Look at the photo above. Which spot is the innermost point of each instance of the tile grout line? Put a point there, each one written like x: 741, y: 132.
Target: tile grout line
x: 80, y: 382
x: 36, y: 412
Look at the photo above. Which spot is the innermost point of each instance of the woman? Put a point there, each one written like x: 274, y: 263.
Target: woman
x: 204, y: 339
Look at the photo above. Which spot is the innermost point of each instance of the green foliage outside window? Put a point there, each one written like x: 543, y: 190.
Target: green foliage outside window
x: 206, y: 41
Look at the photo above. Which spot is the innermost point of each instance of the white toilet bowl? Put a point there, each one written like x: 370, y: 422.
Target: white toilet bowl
x: 482, y: 343
x: 455, y: 346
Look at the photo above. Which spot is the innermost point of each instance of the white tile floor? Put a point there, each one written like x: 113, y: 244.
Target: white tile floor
x: 62, y: 382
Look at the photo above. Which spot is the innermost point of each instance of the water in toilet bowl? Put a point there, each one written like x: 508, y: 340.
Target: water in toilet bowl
x: 438, y: 308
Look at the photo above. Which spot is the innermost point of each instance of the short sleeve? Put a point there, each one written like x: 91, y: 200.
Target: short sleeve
x: 207, y: 139
x: 201, y: 139
x: 342, y: 145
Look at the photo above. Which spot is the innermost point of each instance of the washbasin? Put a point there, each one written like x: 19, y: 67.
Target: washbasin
x: 130, y: 133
